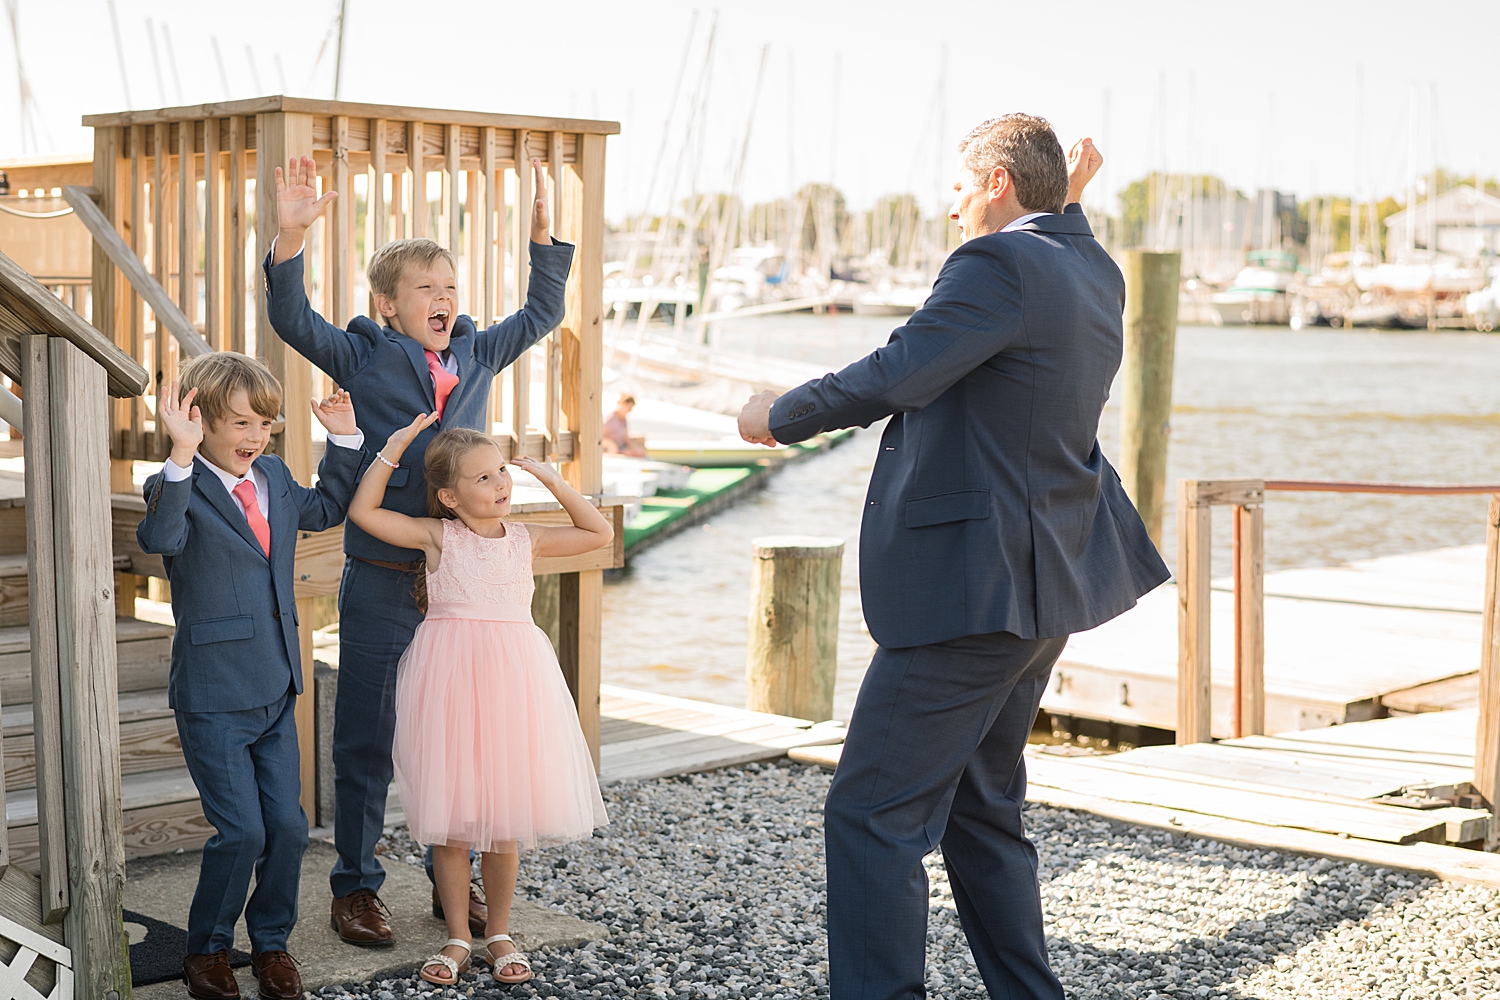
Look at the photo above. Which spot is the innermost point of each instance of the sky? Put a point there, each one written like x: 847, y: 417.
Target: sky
x: 1309, y: 97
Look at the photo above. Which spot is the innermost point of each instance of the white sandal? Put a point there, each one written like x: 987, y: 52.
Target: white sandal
x: 455, y: 969
x: 498, y: 962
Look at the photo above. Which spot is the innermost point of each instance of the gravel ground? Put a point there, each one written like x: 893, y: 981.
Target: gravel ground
x: 712, y: 886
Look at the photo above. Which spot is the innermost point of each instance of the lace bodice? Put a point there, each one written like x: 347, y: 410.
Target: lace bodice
x: 479, y: 570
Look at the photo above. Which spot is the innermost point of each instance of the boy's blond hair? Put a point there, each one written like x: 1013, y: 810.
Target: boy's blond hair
x: 391, y: 261
x: 220, y: 375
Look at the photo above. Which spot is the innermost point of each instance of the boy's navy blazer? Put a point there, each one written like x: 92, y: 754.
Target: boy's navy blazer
x: 991, y: 507
x: 236, y: 645
x: 387, y: 372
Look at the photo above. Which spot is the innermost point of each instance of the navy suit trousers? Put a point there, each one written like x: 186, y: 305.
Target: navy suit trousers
x: 933, y: 757
x: 247, y: 770
x: 377, y: 618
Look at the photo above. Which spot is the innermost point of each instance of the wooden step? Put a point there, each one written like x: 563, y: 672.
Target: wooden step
x: 144, y: 658
x: 161, y: 814
x: 148, y: 738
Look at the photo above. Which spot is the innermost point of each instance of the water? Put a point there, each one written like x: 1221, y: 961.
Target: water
x: 1402, y: 406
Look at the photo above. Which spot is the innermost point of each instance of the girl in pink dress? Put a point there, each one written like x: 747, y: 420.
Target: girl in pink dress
x: 488, y: 750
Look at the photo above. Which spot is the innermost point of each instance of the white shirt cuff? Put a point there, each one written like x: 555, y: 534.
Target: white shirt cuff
x: 174, y: 473
x: 297, y: 254
x: 355, y: 440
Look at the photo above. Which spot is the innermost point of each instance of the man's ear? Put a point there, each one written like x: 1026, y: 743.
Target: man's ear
x: 999, y: 183
x: 384, y: 305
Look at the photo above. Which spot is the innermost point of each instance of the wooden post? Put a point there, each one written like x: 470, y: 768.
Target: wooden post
x: 794, y: 626
x: 450, y: 186
x: 485, y: 223
x: 1487, y: 733
x: 1151, y: 281
x: 213, y: 236
x: 281, y: 136
x: 1249, y: 620
x: 187, y: 222
x: 1194, y: 564
x: 414, y: 155
x: 89, y: 714
x: 41, y: 574
x: 343, y: 214
x: 237, y: 234
x: 375, y: 204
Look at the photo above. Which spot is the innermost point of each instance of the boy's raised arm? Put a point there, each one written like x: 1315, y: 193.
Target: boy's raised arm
x: 551, y: 260
x: 163, y: 531
x: 324, y: 505
x: 338, y: 352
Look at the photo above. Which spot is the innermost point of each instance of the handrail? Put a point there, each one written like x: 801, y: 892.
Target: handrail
x: 1404, y: 489
x: 114, y: 246
x: 1195, y: 500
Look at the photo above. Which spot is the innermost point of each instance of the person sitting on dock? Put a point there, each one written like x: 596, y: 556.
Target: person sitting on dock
x: 425, y: 359
x: 225, y: 518
x: 617, y: 439
x: 993, y: 528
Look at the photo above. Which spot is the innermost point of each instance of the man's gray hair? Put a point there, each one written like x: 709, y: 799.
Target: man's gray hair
x: 1027, y: 148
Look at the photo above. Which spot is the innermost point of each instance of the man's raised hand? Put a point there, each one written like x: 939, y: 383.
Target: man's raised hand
x: 297, y: 205
x: 541, y: 218
x: 1084, y: 161
x: 755, y: 419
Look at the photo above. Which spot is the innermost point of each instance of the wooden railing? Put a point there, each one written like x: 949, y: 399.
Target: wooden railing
x: 1196, y: 499
x: 185, y: 200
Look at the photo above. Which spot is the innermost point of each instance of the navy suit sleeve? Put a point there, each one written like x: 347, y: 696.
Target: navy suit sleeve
x: 340, y: 353
x: 163, y: 531
x: 973, y: 314
x: 502, y: 343
x: 323, y: 506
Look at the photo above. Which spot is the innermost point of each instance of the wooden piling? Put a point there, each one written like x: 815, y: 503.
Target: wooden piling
x: 794, y: 626
x: 1487, y: 735
x: 1151, y: 281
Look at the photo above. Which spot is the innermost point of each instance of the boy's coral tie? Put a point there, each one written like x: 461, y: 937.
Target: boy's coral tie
x: 443, y: 381
x: 245, y: 494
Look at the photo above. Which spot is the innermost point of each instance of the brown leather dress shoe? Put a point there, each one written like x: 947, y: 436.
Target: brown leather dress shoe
x: 276, y: 972
x: 479, y: 912
x: 361, y: 918
x: 209, y: 977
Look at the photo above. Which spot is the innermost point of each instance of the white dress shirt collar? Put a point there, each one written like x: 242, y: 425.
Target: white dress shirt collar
x: 1023, y: 220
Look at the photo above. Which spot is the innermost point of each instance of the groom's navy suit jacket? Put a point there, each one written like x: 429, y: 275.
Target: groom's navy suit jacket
x: 991, y: 507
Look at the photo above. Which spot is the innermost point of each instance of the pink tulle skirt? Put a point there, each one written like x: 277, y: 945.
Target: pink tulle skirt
x: 488, y: 751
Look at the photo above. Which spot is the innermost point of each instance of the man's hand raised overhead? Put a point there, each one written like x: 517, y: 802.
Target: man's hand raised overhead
x: 1084, y: 161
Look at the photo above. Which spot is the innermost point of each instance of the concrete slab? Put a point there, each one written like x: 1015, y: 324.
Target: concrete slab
x: 162, y: 887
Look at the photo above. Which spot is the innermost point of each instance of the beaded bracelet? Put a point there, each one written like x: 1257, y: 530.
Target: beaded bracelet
x: 394, y: 465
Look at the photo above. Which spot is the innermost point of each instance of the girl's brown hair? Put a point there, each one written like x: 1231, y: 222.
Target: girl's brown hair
x: 440, y: 463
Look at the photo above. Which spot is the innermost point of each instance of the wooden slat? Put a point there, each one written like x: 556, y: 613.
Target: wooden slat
x: 86, y: 655
x: 313, y: 106
x: 144, y: 651
x: 450, y: 186
x: 376, y: 202
x: 474, y: 249
x: 416, y: 156
x: 492, y: 300
x: 187, y: 226
x: 1225, y: 491
x: 1194, y: 568
x: 520, y: 370
x: 1250, y: 620
x: 1487, y: 731
x: 343, y: 213
x: 213, y: 236
x: 135, y: 442
x: 237, y: 230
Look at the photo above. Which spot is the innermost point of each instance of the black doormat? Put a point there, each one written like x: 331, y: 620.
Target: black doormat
x: 157, y: 958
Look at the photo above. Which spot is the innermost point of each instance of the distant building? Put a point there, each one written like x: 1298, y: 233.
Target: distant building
x: 1461, y: 221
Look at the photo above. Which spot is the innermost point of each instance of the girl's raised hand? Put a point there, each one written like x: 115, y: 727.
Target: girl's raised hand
x: 541, y: 218
x: 184, y: 424
x: 336, y: 413
x: 545, y: 474
x: 398, y: 441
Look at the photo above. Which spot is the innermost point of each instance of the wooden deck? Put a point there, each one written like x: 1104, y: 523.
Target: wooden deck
x: 1381, y: 792
x: 1343, y: 644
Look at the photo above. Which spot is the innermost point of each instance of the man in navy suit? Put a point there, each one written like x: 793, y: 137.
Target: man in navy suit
x: 993, y: 528
x: 224, y: 518
x: 425, y: 358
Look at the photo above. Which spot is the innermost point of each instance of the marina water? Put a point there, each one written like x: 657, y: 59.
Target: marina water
x: 1247, y: 401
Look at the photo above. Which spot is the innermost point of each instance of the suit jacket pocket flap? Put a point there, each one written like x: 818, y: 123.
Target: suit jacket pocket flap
x: 398, y: 478
x: 962, y: 505
x: 222, y: 629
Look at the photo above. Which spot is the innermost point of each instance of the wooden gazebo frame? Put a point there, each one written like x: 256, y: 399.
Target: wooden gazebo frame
x: 183, y: 208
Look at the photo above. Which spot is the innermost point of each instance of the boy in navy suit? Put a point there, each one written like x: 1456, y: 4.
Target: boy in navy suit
x: 425, y: 358
x: 224, y: 519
